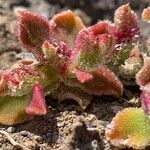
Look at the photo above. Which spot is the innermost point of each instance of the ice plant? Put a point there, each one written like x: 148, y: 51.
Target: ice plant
x: 143, y: 76
x: 75, y: 62
x: 66, y: 53
x: 130, y: 128
x: 143, y: 80
x: 126, y: 24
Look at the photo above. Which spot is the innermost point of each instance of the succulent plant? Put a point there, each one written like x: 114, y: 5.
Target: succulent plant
x: 129, y: 128
x: 75, y: 62
x: 143, y: 80
x: 65, y: 52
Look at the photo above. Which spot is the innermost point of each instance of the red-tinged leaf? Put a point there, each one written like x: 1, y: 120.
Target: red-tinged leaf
x: 19, y: 74
x: 58, y: 57
x: 145, y: 97
x: 126, y: 24
x: 37, y: 104
x: 49, y: 50
x: 143, y: 76
x: 83, y: 76
x: 32, y: 31
x: 130, y: 128
x: 143, y: 80
x: 104, y: 82
x: 94, y: 45
x: 67, y: 25
x: 3, y: 85
x: 146, y: 14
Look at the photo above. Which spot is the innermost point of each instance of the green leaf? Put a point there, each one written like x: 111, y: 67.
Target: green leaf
x: 12, y: 110
x: 130, y: 128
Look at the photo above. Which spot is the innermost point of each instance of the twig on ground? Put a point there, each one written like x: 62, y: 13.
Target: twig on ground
x: 14, y: 143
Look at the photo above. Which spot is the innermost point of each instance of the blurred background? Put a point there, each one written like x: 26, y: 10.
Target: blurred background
x: 90, y: 11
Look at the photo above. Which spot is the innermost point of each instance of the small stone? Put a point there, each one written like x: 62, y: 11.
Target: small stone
x: 24, y: 133
x: 115, y: 109
x: 10, y: 129
x: 38, y: 138
x: 43, y: 136
x: 48, y: 134
x: 61, y: 124
x: 91, y: 117
x: 55, y: 137
x: 29, y: 144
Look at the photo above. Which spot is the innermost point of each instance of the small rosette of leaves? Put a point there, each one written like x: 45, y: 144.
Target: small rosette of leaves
x: 132, y: 65
x: 129, y: 128
x: 126, y: 26
x: 93, y: 46
x: 127, y: 37
x: 22, y: 91
x: 87, y: 68
x: 34, y: 29
x: 146, y: 14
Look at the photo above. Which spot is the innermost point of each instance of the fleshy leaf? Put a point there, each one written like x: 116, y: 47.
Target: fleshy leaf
x: 33, y: 30
x: 104, y: 82
x: 132, y: 65
x: 37, y: 104
x: 3, y: 85
x: 12, y: 110
x: 83, y: 76
x: 22, y: 76
x: 143, y: 80
x: 67, y: 25
x: 146, y: 14
x: 126, y: 23
x: 145, y: 97
x: 130, y: 128
x: 143, y: 76
x: 49, y: 50
x: 93, y: 45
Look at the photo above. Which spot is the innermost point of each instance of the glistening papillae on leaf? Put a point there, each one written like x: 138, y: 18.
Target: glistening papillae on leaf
x: 75, y: 62
x: 66, y: 27
x: 131, y: 65
x: 143, y: 80
x: 37, y: 104
x: 129, y: 128
x: 104, y: 82
x: 12, y: 110
x: 93, y: 46
x: 126, y: 24
x: 146, y: 14
x: 32, y: 31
